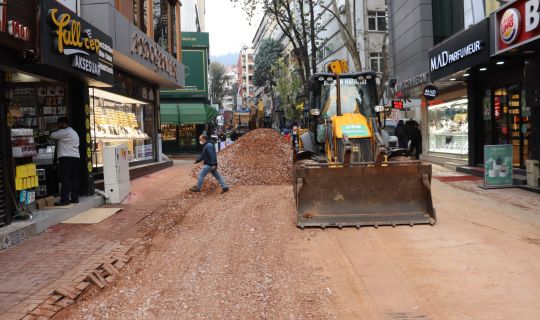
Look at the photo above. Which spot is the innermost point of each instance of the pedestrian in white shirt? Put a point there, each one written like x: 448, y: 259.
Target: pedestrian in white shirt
x: 68, y: 162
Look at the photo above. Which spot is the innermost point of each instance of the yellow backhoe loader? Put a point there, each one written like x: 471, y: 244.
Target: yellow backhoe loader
x: 343, y: 175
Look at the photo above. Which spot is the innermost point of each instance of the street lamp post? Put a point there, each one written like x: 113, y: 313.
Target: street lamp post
x: 246, y: 56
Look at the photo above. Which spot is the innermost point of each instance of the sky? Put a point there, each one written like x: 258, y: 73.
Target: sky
x: 228, y: 27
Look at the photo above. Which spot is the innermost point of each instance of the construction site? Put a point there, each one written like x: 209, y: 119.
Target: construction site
x: 174, y: 254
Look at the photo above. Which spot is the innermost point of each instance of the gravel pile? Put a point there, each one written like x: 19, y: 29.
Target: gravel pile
x: 260, y: 157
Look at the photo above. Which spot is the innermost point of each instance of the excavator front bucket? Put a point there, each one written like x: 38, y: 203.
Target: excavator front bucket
x: 367, y: 194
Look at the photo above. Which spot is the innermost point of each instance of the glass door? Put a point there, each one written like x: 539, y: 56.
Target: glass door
x: 510, y: 122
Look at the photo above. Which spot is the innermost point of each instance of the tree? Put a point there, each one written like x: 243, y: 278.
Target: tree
x: 266, y: 57
x: 218, y: 79
x: 288, y: 86
x: 296, y: 19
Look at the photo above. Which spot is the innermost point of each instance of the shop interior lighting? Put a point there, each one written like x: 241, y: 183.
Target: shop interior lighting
x: 528, y: 52
x: 500, y: 63
x: 98, y: 93
x: 466, y: 74
x: 452, y: 79
x: 460, y: 104
x: 483, y: 69
x: 20, y: 77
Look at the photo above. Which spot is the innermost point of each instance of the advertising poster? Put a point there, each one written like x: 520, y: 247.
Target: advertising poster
x: 498, y: 166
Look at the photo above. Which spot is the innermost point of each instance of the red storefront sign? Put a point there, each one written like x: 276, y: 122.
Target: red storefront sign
x: 497, y: 107
x: 18, y: 24
x: 517, y: 23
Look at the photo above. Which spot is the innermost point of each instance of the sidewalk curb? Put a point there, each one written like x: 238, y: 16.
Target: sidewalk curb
x: 98, y: 270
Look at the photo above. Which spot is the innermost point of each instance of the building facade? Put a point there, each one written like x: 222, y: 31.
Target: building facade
x: 246, y: 68
x: 415, y: 27
x: 186, y: 112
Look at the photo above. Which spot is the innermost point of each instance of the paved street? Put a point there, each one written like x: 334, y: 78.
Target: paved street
x: 39, y: 265
x: 239, y: 255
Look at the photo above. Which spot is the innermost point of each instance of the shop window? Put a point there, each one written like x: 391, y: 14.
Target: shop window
x: 510, y: 122
x: 188, y: 136
x: 448, y: 127
x: 116, y: 119
x: 140, y: 14
x: 376, y: 21
x: 168, y: 132
x: 448, y: 19
x: 161, y: 23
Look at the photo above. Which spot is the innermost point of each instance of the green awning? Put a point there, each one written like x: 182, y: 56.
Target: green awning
x: 169, y: 113
x: 211, y: 113
x: 192, y: 113
x: 187, y: 113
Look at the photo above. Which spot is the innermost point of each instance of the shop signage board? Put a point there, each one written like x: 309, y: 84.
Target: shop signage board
x: 464, y: 50
x: 74, y: 45
x: 516, y: 23
x: 498, y: 171
x: 195, y: 47
x: 431, y: 92
x: 17, y: 24
x: 397, y: 104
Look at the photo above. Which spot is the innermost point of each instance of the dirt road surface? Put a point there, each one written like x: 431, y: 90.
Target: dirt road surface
x: 239, y: 256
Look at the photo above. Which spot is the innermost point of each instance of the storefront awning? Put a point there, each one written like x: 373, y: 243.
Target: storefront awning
x: 192, y: 113
x: 187, y: 113
x: 169, y: 113
x: 211, y: 113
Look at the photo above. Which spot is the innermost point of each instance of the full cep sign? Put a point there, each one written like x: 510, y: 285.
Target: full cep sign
x: 464, y: 50
x: 516, y: 24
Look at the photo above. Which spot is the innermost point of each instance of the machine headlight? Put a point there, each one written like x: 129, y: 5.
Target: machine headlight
x: 321, y: 79
x: 360, y: 78
x: 315, y: 112
x: 329, y: 79
x: 369, y: 76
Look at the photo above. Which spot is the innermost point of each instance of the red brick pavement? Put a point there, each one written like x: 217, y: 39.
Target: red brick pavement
x: 65, y: 254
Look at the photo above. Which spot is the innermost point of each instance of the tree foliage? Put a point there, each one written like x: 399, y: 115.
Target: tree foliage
x: 288, y: 87
x: 266, y: 57
x: 296, y: 19
x: 218, y: 79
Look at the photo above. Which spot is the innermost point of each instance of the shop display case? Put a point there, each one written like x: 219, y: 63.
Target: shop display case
x: 118, y: 120
x: 448, y: 128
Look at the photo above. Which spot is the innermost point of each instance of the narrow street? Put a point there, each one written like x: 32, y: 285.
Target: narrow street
x: 239, y: 256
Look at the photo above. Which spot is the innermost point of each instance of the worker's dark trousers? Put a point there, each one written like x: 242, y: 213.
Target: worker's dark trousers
x: 69, y: 168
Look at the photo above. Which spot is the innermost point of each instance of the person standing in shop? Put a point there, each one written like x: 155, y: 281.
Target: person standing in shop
x: 68, y: 161
x: 401, y: 133
x: 209, y: 158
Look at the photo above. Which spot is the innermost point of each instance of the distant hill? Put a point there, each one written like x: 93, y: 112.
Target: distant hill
x: 226, y: 59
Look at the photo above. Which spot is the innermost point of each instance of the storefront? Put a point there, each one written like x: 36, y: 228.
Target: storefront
x: 508, y: 86
x: 14, y: 42
x: 447, y: 100
x: 186, y: 112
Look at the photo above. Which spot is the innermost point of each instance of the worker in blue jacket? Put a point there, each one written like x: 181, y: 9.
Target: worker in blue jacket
x: 209, y: 158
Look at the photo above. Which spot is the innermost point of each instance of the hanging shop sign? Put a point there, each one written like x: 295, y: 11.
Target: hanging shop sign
x: 466, y: 49
x: 498, y: 171
x: 397, y: 104
x: 74, y: 45
x: 431, y: 92
x: 17, y: 24
x: 516, y: 24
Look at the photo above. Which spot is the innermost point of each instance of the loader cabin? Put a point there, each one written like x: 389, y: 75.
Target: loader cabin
x: 356, y: 93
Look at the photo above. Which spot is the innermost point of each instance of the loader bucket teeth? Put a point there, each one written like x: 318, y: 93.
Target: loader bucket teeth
x: 364, y: 194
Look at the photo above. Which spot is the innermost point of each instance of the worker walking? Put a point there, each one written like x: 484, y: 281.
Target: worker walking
x: 209, y: 158
x: 68, y: 162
